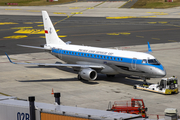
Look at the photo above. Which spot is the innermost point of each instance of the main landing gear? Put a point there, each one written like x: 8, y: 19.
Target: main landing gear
x: 79, y: 77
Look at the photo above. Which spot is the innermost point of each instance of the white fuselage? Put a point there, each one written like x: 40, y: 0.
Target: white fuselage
x: 114, y: 61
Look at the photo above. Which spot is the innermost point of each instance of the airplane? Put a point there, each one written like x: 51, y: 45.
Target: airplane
x: 88, y: 61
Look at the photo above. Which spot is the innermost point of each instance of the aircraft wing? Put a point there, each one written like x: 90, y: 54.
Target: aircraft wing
x: 62, y: 65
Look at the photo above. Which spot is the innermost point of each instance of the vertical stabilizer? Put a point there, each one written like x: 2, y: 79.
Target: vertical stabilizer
x: 50, y: 33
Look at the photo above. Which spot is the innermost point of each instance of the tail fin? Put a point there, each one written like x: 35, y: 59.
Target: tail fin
x: 50, y: 33
x: 149, y: 48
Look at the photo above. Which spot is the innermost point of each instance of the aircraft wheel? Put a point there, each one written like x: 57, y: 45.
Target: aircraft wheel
x: 134, y: 87
x: 79, y: 77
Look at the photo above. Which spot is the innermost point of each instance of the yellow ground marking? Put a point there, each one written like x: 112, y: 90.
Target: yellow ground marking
x: 155, y: 12
x: 16, y: 36
x: 125, y: 33
x: 58, y: 13
x: 4, y: 94
x: 40, y: 25
x: 61, y: 13
x: 158, y: 13
x: 112, y: 33
x: 28, y: 22
x: 140, y: 36
x: 152, y: 22
x: 42, y: 36
x: 62, y: 36
x: 126, y: 17
x: 162, y: 22
x: 122, y: 33
x: 74, y: 7
x: 171, y: 40
x: 147, y: 16
x: 38, y: 22
x: 34, y: 11
x: 90, y: 8
x: 156, y: 38
x: 31, y: 31
x: 21, y: 27
x: 12, y: 9
x: 7, y: 23
x: 76, y: 13
x: 162, y: 14
x: 58, y: 36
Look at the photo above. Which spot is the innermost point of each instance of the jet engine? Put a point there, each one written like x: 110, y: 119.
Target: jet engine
x: 88, y: 74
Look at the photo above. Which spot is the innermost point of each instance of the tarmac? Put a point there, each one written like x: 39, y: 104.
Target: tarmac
x: 23, y: 81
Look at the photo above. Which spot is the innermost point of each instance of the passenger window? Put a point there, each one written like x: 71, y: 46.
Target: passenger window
x: 144, y: 61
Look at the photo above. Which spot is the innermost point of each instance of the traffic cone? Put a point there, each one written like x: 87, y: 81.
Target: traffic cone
x: 52, y: 92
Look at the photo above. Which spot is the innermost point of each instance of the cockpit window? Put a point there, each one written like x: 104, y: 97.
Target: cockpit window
x: 144, y: 61
x: 153, y: 61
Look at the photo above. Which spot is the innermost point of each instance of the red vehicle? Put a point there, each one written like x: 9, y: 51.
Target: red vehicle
x: 135, y: 106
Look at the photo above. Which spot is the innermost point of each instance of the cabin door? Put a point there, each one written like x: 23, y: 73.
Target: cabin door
x: 60, y: 53
x: 133, y: 64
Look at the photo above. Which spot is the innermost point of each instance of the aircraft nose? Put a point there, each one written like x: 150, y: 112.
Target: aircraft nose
x: 162, y: 73
x: 159, y: 72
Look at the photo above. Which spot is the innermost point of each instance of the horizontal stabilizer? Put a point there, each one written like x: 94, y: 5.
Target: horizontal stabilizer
x: 34, y: 47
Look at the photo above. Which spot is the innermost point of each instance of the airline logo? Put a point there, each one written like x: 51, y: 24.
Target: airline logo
x: 46, y: 31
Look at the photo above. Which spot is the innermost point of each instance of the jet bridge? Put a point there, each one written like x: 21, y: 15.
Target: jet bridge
x: 13, y: 109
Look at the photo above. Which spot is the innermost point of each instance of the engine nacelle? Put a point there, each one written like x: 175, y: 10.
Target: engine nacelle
x: 88, y: 74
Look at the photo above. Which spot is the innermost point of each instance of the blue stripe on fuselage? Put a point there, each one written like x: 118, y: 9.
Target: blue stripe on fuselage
x: 103, y: 57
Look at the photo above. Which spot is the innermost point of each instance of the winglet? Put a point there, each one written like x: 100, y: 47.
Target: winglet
x: 9, y: 58
x: 149, y: 48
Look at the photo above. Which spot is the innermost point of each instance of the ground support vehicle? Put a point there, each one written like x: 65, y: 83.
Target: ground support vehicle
x: 171, y: 113
x: 135, y: 106
x: 166, y: 86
